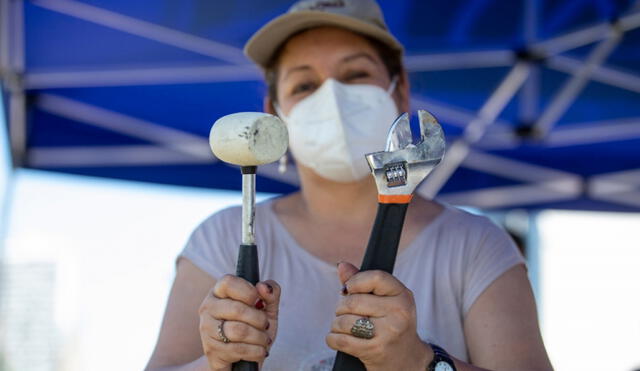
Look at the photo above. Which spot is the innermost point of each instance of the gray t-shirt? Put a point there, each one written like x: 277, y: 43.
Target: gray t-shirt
x: 448, y: 265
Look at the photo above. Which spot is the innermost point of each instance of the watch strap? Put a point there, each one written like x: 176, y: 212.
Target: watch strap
x: 440, y: 355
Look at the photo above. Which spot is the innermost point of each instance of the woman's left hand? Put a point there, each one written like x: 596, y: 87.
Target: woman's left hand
x: 391, y: 307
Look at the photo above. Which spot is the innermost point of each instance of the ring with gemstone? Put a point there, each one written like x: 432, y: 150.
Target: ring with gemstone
x: 363, y: 328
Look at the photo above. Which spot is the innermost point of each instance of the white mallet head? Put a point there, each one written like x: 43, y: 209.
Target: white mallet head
x: 249, y: 138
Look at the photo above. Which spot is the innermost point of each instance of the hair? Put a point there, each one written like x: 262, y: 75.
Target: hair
x: 392, y: 59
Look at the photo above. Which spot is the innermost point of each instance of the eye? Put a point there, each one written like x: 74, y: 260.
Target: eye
x: 356, y: 75
x: 304, y: 87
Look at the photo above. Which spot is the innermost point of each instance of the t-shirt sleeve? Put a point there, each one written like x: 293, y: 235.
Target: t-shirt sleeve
x: 491, y: 253
x: 213, y: 245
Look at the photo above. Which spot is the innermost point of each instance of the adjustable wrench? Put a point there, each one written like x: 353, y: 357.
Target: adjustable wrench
x: 397, y: 170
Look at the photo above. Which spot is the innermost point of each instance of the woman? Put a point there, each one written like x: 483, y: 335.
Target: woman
x: 331, y: 66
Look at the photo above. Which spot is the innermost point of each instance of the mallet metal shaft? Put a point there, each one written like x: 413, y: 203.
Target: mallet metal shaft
x: 247, y: 266
x: 248, y: 204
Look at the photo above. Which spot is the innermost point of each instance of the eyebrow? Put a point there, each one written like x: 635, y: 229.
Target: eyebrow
x: 295, y: 69
x: 359, y: 55
x: 346, y: 59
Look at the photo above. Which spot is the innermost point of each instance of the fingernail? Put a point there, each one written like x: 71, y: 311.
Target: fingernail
x: 260, y: 304
x: 344, y: 290
x: 266, y: 355
x: 270, y: 288
x: 269, y: 341
x: 267, y: 326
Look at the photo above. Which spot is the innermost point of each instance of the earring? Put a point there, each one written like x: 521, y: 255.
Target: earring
x: 282, y: 164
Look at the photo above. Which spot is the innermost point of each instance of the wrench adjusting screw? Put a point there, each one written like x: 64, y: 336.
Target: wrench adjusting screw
x: 396, y: 174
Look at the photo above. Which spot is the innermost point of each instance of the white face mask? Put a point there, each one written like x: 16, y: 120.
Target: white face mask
x: 332, y: 129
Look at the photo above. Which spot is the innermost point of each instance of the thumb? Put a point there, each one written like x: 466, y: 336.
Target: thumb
x: 346, y: 270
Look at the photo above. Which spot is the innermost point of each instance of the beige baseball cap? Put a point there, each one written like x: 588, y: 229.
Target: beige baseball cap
x: 360, y: 16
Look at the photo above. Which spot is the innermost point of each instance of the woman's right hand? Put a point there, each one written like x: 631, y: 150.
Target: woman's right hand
x: 249, y: 318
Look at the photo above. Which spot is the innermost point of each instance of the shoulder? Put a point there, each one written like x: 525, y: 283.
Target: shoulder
x: 216, y: 227
x: 465, y: 224
x: 463, y: 217
x: 475, y: 239
x: 484, y: 252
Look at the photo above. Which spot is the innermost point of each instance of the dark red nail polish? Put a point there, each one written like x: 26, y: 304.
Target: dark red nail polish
x: 267, y: 326
x: 269, y: 341
x: 344, y: 290
x: 260, y: 304
x: 266, y: 355
x: 270, y: 288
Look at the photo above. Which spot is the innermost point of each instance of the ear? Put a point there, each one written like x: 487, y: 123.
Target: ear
x: 267, y: 106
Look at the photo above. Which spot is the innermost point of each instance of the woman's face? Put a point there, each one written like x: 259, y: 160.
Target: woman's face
x: 308, y: 59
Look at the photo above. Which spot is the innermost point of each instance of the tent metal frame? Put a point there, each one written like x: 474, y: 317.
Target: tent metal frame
x: 12, y: 72
x: 483, y: 130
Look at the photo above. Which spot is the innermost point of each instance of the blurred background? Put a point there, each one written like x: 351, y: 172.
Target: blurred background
x: 105, y: 168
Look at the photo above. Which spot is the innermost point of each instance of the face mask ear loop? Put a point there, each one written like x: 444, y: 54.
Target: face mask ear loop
x: 281, y: 114
x: 393, y: 85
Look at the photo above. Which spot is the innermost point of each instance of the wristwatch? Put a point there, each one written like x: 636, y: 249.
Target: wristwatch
x: 441, y: 360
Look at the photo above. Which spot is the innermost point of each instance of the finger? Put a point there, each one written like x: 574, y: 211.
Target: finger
x: 349, y: 344
x: 240, y: 332
x: 377, y: 282
x: 232, y: 310
x: 366, y: 305
x: 234, y: 352
x: 270, y: 291
x: 346, y: 270
x: 342, y: 324
x: 236, y: 288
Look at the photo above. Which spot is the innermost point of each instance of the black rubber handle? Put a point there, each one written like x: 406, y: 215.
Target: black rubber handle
x: 248, y: 269
x: 385, y: 238
x: 247, y: 266
x: 380, y: 255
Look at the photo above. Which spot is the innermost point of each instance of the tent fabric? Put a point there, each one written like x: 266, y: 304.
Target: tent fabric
x: 539, y: 100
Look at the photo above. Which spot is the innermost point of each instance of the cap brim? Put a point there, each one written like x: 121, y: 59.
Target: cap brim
x: 263, y: 44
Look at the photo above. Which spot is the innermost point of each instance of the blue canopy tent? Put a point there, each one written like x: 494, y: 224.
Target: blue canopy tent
x: 540, y: 100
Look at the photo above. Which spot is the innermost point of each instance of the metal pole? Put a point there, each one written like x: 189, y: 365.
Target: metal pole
x: 177, y: 140
x: 458, y: 60
x: 606, y: 75
x: 489, y: 112
x: 17, y: 55
x: 151, y: 31
x: 13, y: 78
x: 17, y: 122
x: 563, y: 99
x: 585, y: 36
x: 529, y: 96
x: 5, y: 26
x: 140, y: 76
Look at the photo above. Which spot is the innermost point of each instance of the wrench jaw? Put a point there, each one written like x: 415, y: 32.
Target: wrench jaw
x: 403, y: 165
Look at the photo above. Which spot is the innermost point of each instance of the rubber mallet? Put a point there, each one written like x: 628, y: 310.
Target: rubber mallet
x: 248, y: 139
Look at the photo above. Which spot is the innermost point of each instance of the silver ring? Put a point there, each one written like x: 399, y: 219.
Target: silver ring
x: 221, y: 334
x: 363, y: 328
